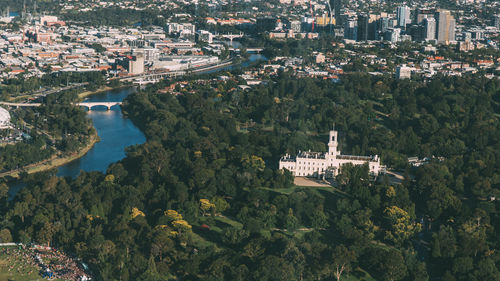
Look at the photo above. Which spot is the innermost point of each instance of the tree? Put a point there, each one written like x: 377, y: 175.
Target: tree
x: 150, y: 274
x: 319, y: 219
x: 393, y: 266
x: 46, y: 233
x: 342, y: 260
x: 173, y: 215
x: 291, y: 222
x: 400, y: 226
x: 206, y: 205
x: 5, y: 236
x: 220, y: 204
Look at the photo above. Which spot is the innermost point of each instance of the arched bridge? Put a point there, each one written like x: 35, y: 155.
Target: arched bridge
x: 86, y: 104
x: 108, y: 105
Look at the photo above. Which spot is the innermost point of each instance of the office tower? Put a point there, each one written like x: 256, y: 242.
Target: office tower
x: 392, y: 34
x: 403, y: 16
x: 445, y: 26
x: 336, y: 5
x: 417, y: 32
x: 496, y: 21
x: 372, y: 27
x: 429, y: 28
x: 382, y: 26
x: 362, y: 27
x: 351, y: 29
x: 421, y: 14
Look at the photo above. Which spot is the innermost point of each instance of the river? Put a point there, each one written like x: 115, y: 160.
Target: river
x: 115, y: 132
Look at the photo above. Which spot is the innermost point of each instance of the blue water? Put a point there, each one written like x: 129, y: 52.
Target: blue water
x: 252, y: 58
x: 115, y: 132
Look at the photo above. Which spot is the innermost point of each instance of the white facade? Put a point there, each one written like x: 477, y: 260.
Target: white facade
x: 136, y: 64
x: 403, y: 16
x: 4, y: 118
x: 321, y: 164
x: 404, y: 72
x: 430, y: 28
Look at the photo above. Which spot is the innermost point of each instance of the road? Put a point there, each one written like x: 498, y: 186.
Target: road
x: 44, y: 93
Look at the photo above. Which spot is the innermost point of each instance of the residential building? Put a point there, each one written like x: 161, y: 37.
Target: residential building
x: 429, y: 28
x: 403, y: 16
x: 445, y: 23
x: 205, y: 36
x: 136, y: 64
x: 404, y: 72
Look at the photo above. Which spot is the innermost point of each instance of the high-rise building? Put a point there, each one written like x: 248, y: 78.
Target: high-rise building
x: 445, y: 23
x: 363, y: 27
x: 417, y: 32
x: 421, y: 14
x: 392, y: 34
x: 403, y: 16
x: 382, y: 26
x: 336, y: 6
x: 496, y: 21
x: 136, y: 64
x: 351, y: 29
x: 429, y: 28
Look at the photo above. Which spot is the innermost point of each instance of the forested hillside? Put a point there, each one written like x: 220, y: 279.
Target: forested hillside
x: 202, y: 199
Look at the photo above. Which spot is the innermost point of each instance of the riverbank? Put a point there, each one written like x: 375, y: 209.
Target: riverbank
x: 53, y: 162
x: 102, y: 89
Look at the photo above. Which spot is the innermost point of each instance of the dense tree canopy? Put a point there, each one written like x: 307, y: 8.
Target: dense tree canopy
x: 202, y: 199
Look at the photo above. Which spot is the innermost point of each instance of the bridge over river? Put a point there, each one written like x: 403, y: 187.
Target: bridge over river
x: 88, y: 105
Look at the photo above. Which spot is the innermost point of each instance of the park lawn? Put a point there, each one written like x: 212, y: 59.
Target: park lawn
x: 20, y: 271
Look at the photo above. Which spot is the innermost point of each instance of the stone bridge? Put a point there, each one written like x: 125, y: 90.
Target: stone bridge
x: 87, y: 104
x: 108, y: 105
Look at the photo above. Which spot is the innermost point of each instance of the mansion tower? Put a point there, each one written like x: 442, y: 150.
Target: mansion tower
x: 326, y: 164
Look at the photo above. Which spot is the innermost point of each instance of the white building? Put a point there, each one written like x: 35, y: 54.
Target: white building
x: 326, y: 164
x: 4, y: 118
x: 403, y: 16
x: 136, y: 64
x: 205, y: 36
x: 404, y: 72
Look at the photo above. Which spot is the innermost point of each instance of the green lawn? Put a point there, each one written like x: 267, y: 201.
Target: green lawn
x: 15, y: 267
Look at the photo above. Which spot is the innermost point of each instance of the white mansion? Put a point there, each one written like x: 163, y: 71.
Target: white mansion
x: 326, y: 164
